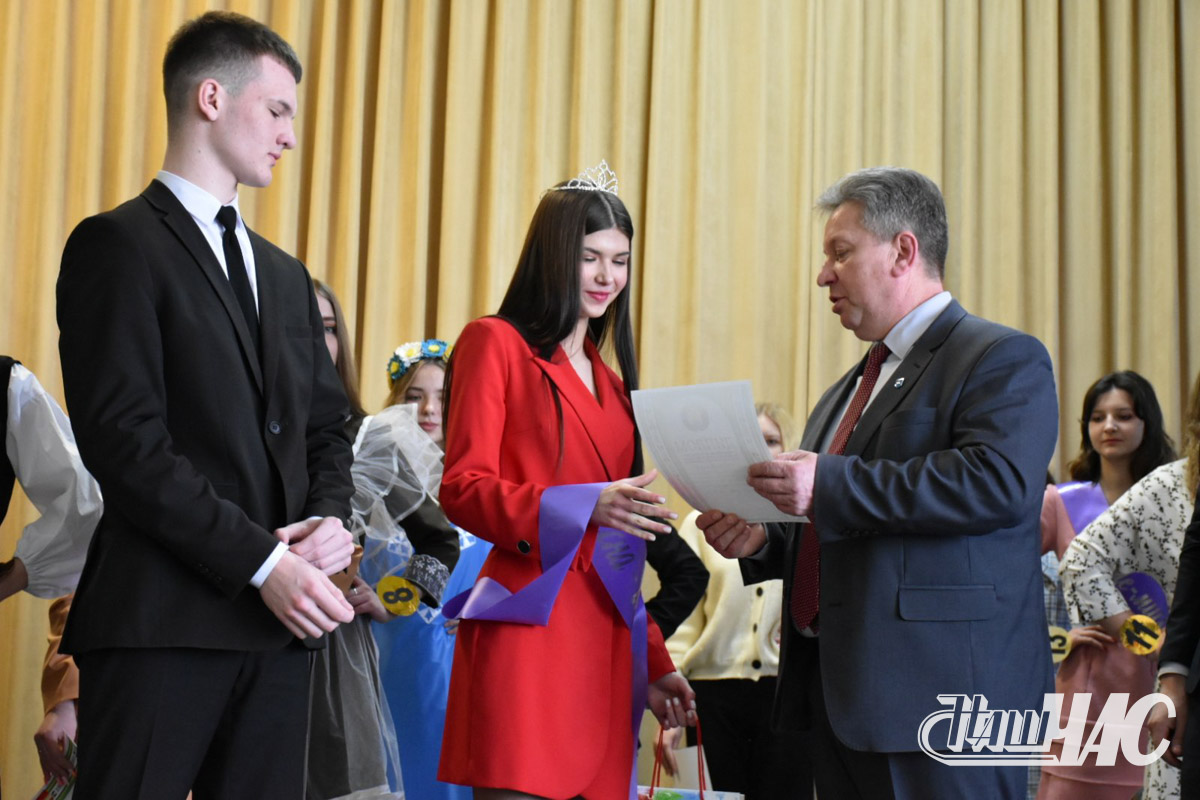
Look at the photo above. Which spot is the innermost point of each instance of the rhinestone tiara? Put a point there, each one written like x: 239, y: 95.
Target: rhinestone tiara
x: 594, y: 179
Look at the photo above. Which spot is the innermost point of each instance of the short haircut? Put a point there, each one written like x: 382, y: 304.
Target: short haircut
x: 221, y: 45
x: 893, y: 200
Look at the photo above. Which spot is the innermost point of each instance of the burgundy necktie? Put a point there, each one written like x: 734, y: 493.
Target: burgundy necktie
x: 806, y: 583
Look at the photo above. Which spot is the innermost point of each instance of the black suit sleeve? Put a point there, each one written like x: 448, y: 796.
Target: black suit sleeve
x: 1183, y: 625
x: 683, y: 580
x: 114, y: 377
x: 769, y: 562
x: 327, y: 446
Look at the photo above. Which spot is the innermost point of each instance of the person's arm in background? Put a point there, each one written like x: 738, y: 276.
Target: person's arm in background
x: 60, y: 692
x: 682, y: 579
x: 435, y: 542
x: 1110, y: 546
x: 684, y: 638
x: 41, y: 448
x: 1179, y: 647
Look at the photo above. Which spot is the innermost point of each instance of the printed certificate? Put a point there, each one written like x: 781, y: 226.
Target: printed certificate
x: 703, y: 439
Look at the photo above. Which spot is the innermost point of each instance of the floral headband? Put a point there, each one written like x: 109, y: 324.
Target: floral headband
x: 411, y: 353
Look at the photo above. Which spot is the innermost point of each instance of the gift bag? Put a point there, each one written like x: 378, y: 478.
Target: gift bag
x: 652, y: 792
x: 691, y: 773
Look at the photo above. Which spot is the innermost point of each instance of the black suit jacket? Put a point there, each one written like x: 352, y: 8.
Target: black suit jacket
x: 1182, y: 644
x: 201, y: 447
x: 930, y: 538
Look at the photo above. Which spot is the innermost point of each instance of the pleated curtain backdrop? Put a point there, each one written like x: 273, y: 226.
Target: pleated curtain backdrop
x: 1062, y: 133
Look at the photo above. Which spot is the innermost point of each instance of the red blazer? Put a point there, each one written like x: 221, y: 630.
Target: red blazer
x: 532, y: 708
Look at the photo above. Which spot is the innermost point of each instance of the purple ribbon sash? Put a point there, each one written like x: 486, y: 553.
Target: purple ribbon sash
x: 1084, y: 501
x: 619, y: 559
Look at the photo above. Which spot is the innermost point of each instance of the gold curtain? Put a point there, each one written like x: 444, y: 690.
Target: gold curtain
x: 428, y: 130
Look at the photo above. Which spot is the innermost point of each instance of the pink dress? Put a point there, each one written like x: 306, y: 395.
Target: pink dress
x: 1100, y: 672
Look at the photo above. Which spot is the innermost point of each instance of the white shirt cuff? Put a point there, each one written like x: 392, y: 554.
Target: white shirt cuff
x: 1172, y: 668
x: 260, y: 577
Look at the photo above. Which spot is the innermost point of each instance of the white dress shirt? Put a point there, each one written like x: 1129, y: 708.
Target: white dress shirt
x: 204, y: 207
x: 899, y: 340
x: 41, y: 448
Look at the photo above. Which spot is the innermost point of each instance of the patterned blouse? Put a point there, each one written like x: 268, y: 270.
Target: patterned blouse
x: 1141, y: 532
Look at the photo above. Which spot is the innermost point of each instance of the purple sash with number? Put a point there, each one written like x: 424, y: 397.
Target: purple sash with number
x: 619, y: 560
x: 1145, y: 595
x: 1084, y: 501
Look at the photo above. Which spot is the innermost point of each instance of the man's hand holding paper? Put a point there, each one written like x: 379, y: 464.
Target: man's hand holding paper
x: 730, y: 535
x: 787, y: 481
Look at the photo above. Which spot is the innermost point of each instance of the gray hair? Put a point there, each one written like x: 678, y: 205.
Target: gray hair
x: 894, y: 200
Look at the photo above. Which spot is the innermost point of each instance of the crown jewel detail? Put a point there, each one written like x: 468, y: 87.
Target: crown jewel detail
x: 599, y: 178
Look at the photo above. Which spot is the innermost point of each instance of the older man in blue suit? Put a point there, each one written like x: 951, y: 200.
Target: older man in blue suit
x: 921, y: 471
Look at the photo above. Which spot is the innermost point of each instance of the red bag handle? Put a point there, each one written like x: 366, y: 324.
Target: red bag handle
x: 658, y: 755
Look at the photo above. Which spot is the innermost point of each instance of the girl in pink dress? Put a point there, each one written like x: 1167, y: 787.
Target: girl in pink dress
x: 1123, y: 439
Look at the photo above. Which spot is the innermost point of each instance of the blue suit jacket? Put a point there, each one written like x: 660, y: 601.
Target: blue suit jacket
x: 929, y: 530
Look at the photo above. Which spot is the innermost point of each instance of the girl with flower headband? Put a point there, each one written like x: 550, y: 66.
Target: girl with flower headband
x: 416, y: 652
x: 416, y: 372
x: 555, y: 660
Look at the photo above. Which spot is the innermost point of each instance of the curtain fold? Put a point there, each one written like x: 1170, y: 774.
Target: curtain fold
x: 1061, y: 133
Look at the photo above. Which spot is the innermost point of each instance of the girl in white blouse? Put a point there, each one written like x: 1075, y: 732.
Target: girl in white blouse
x: 1140, y: 532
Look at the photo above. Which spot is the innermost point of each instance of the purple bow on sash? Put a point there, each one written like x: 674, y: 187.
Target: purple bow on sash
x: 619, y: 560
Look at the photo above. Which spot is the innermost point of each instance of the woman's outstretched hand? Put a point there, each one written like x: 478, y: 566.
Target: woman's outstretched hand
x: 628, y: 506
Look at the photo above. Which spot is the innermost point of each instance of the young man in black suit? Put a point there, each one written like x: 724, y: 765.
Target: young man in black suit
x: 206, y: 406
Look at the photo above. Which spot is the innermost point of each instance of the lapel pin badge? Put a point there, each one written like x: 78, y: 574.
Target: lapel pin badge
x: 899, y: 382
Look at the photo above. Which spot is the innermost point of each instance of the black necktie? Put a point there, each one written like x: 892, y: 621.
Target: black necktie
x: 236, y: 265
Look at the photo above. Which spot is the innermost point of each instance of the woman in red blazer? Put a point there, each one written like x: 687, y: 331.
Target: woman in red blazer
x: 542, y: 708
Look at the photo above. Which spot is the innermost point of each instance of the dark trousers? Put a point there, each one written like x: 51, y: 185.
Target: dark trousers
x: 1190, y: 773
x: 157, y: 723
x: 742, y: 753
x: 846, y: 774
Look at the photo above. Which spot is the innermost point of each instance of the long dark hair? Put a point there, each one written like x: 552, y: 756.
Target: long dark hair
x: 345, y: 366
x: 1156, y: 448
x: 543, y: 297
